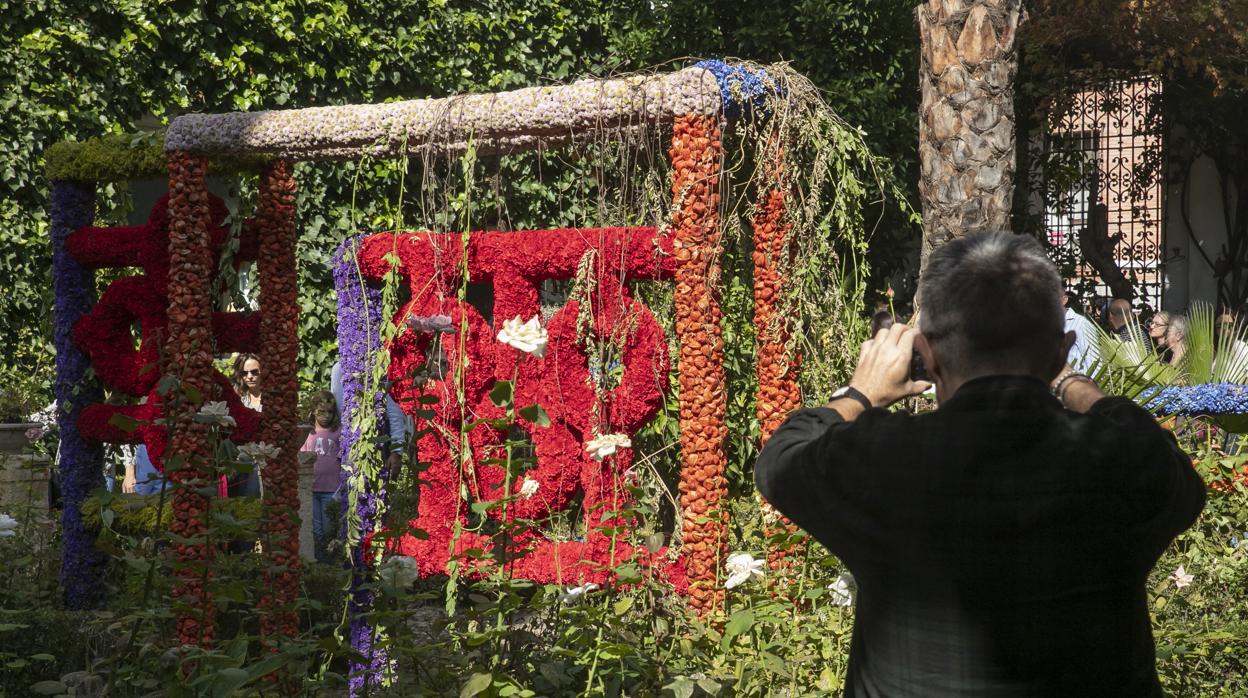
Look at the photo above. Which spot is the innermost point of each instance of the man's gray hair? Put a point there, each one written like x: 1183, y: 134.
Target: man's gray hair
x: 991, y: 300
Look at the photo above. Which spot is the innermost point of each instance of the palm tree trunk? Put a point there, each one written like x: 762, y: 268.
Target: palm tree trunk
x: 966, y: 117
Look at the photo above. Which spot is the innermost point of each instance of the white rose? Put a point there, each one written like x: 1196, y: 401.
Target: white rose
x: 740, y: 567
x: 529, y: 337
x: 528, y: 488
x: 843, y: 590
x: 260, y: 452
x: 576, y: 593
x: 607, y: 444
x: 8, y: 526
x: 215, y: 413
x: 398, y: 572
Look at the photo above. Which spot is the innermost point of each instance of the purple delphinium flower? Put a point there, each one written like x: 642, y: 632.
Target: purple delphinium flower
x: 81, y: 463
x: 743, y: 89
x: 359, y: 320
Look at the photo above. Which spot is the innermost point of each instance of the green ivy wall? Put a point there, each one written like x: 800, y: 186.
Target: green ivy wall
x: 77, y: 69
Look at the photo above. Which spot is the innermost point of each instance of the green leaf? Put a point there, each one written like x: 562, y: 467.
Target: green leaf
x: 228, y: 680
x: 476, y: 684
x: 682, y: 687
x: 49, y: 688
x: 123, y: 422
x: 621, y: 607
x: 501, y: 393
x: 535, y: 414
x: 712, y: 687
x: 740, y: 622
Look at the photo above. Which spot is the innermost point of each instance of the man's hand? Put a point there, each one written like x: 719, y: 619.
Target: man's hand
x: 883, y: 372
x: 395, y: 465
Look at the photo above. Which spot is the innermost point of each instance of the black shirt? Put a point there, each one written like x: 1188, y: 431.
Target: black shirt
x: 1000, y: 543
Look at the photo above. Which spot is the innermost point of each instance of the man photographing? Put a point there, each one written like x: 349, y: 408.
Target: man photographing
x: 1001, y: 542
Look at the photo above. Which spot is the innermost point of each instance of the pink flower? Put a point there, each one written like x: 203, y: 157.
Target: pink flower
x: 1181, y: 578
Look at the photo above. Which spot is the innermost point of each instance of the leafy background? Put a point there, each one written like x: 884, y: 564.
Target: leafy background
x: 73, y: 70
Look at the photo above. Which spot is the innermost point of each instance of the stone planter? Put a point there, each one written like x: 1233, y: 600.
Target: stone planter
x: 13, y: 437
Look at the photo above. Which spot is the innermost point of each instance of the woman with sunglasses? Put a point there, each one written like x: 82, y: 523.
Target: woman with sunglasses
x: 247, y: 380
x: 247, y: 383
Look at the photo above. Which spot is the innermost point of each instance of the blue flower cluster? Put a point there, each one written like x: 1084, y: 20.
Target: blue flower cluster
x: 1204, y: 399
x: 744, y: 89
x: 81, y: 462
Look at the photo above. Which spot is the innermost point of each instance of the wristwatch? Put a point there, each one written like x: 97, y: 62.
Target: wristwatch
x: 854, y: 394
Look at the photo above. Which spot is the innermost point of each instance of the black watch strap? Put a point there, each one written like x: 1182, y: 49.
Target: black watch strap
x: 854, y: 394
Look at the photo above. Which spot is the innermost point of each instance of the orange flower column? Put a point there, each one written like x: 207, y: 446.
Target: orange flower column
x: 188, y: 356
x: 696, y: 153
x: 279, y: 342
x: 778, y: 389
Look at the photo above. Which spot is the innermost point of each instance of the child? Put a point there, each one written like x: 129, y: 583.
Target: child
x: 323, y: 441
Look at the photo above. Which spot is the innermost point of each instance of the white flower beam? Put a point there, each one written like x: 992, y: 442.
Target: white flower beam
x: 516, y: 120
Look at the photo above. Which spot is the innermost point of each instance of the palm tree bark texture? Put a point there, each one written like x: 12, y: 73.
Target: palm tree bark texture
x: 966, y: 116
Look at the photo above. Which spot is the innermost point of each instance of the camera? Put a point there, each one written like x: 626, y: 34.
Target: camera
x: 918, y: 370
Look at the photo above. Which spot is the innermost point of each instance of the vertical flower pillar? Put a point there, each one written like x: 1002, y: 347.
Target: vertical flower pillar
x: 279, y: 344
x: 188, y: 357
x: 696, y: 154
x: 778, y: 389
x: 81, y: 462
x: 359, y: 323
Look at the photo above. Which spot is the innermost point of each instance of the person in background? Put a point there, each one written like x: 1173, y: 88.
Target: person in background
x: 396, y: 421
x: 247, y: 380
x: 141, y: 476
x: 1083, y: 353
x: 1176, y: 338
x: 1229, y: 331
x: 247, y: 384
x: 1120, y: 318
x: 1157, y: 326
x: 323, y: 441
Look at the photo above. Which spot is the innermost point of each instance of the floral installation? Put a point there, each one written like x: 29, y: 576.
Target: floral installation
x: 575, y: 594
x: 189, y: 339
x: 696, y: 153
x: 740, y: 568
x: 359, y: 324
x: 778, y: 364
x: 527, y: 336
x: 104, y: 332
x: 517, y: 262
x: 521, y: 118
x: 81, y: 461
x: 279, y: 297
x: 8, y: 526
x: 1181, y: 578
x: 601, y: 447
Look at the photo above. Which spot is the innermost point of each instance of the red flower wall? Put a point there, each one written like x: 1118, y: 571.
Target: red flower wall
x: 516, y: 264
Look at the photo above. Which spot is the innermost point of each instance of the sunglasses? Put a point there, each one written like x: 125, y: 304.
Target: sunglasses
x: 252, y: 372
